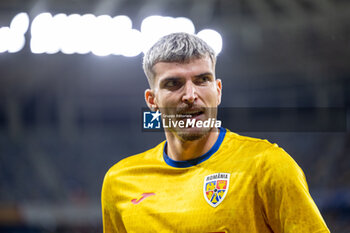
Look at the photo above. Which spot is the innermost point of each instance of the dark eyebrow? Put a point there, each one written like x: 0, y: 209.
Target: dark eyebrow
x: 169, y: 79
x: 204, y: 74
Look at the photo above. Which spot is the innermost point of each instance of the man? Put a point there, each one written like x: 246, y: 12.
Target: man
x: 202, y: 179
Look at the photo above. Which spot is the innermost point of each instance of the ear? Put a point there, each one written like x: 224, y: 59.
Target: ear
x: 150, y: 100
x: 219, y: 90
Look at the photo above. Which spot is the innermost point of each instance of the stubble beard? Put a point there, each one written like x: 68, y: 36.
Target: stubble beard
x: 192, y: 136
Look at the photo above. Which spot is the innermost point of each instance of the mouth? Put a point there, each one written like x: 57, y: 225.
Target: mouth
x: 193, y: 114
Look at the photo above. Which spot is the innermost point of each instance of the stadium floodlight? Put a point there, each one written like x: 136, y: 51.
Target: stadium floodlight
x: 4, y: 39
x: 12, y: 38
x: 119, y: 32
x: 16, y: 41
x: 182, y: 24
x: 41, y: 33
x: 11, y: 41
x: 122, y: 22
x: 151, y: 28
x: 103, y: 35
x: 71, y: 34
x: 20, y: 23
x: 85, y: 35
x: 213, y: 38
x: 133, y: 43
x: 101, y: 45
x: 155, y: 26
x: 40, y: 24
x: 57, y: 35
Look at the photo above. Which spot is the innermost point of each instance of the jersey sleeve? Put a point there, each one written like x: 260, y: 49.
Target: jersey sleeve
x: 110, y: 217
x: 287, y: 204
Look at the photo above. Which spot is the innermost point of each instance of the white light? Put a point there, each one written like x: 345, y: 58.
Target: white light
x: 16, y: 41
x: 10, y: 41
x: 20, y: 23
x: 4, y: 39
x: 148, y: 24
x: 133, y: 43
x: 35, y: 46
x: 58, y: 33
x: 119, y: 32
x: 182, y: 24
x: 152, y: 29
x: 42, y: 33
x: 71, y: 40
x: 213, y: 39
x: 41, y: 23
x: 86, y: 35
x: 102, y: 42
x: 122, y: 22
x: 12, y: 38
x: 155, y: 26
x: 102, y: 35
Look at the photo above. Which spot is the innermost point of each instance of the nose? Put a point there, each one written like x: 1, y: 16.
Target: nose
x: 190, y: 93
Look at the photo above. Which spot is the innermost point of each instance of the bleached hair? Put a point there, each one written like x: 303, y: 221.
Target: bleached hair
x: 176, y: 47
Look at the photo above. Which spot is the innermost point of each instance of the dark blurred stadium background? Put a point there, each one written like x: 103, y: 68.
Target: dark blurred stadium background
x: 65, y: 119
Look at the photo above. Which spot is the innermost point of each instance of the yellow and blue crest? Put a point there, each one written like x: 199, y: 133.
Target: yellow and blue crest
x: 215, y: 188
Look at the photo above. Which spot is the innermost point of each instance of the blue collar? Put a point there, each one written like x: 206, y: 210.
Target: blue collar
x: 202, y: 158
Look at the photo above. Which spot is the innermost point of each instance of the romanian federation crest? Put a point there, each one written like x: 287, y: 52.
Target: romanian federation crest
x: 215, y: 188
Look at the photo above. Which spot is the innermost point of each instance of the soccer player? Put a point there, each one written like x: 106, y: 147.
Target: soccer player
x: 203, y: 178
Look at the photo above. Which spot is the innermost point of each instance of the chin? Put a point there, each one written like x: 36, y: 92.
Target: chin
x: 192, y: 134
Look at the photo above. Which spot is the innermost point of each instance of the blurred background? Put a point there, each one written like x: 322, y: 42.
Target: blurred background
x: 66, y: 118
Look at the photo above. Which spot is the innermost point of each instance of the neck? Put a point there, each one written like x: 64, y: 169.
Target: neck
x: 180, y: 150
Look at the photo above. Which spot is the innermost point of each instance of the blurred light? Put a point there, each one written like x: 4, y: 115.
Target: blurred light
x: 58, y: 34
x: 155, y: 26
x: 104, y: 35
x: 71, y: 34
x: 184, y: 25
x: 151, y: 28
x: 16, y: 41
x: 12, y: 38
x: 4, y: 39
x: 122, y: 22
x: 213, y: 38
x: 133, y: 43
x: 119, y: 33
x: 35, y: 46
x: 20, y: 23
x: 11, y: 41
x: 86, y: 33
x: 40, y: 24
x: 42, y: 32
x: 102, y: 43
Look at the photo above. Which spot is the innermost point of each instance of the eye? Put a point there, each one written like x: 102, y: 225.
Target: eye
x: 171, y: 83
x: 202, y: 80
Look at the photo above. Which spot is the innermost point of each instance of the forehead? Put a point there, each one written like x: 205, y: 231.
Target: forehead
x: 193, y: 67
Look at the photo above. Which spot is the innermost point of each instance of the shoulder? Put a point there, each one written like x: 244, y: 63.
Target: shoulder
x: 274, y: 167
x: 272, y: 164
x: 266, y: 155
x: 145, y: 158
x: 238, y: 137
x: 248, y: 145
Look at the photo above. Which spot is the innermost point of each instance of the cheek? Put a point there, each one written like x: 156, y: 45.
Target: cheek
x: 165, y: 100
x: 212, y: 97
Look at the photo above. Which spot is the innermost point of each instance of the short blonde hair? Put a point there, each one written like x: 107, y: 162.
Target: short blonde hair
x: 176, y: 47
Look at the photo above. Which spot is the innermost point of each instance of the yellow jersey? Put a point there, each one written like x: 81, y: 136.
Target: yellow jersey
x: 240, y: 185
